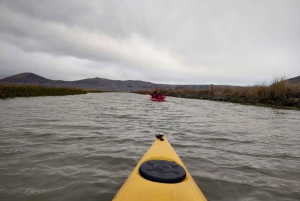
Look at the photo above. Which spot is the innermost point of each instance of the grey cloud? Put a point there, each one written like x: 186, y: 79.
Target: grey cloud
x: 229, y: 42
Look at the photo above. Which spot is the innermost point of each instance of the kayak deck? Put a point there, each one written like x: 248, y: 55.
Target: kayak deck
x: 138, y: 188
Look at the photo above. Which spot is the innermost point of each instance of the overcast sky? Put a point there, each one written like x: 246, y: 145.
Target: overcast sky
x: 236, y: 42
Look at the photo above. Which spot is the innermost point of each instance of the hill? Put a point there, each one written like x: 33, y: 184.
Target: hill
x: 91, y: 83
x: 294, y: 80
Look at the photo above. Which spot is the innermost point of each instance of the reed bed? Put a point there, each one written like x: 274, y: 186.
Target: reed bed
x: 278, y: 93
x: 12, y: 90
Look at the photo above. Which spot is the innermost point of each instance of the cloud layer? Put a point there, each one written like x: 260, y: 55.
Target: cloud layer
x: 172, y: 42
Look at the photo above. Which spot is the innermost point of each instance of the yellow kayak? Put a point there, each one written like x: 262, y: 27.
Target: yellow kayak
x: 160, y: 176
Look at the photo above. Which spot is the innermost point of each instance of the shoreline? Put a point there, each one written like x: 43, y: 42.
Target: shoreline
x: 14, y: 90
x: 279, y: 94
x: 236, y: 101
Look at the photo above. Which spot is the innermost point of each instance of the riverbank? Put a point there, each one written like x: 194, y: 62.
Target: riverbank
x: 12, y: 91
x: 278, y: 94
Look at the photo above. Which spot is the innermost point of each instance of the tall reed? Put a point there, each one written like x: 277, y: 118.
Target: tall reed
x: 278, y: 93
x: 12, y: 90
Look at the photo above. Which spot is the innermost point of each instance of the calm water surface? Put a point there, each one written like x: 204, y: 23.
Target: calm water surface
x: 83, y: 147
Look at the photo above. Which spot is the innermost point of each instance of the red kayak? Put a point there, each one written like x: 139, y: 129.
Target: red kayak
x: 162, y: 99
x: 158, y: 99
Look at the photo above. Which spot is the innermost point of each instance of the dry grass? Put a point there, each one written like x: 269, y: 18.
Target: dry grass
x: 11, y: 91
x: 278, y: 93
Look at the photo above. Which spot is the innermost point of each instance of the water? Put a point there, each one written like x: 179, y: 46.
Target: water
x: 84, y: 147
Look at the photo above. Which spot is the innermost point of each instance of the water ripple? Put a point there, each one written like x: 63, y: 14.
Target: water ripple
x: 84, y: 147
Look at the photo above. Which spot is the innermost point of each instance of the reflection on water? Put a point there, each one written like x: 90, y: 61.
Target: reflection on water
x: 84, y: 147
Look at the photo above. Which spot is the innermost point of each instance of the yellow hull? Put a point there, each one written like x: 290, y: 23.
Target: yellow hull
x: 136, y: 188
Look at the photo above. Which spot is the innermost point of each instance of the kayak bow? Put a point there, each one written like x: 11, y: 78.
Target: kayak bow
x: 160, y: 176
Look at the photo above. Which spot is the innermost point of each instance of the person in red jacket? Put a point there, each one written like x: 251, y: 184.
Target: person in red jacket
x: 159, y: 96
x: 154, y: 95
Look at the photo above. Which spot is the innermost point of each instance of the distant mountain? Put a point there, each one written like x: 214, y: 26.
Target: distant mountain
x: 294, y: 80
x: 25, y: 78
x: 91, y: 83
